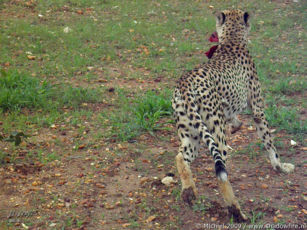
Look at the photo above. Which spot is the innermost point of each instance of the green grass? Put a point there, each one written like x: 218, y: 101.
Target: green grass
x: 3, y: 158
x: 200, y: 205
x: 286, y: 118
x: 18, y: 91
x: 150, y: 108
x: 257, y: 217
x: 140, y: 115
x: 288, y: 86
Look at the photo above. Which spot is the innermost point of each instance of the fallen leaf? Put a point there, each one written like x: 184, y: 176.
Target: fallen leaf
x: 100, y: 185
x: 108, y: 206
x: 61, y: 205
x: 36, y: 183
x: 242, y: 187
x: 31, y: 57
x: 209, y: 169
x: 150, y: 219
x: 264, y: 186
x: 144, y: 180
x: 275, y: 219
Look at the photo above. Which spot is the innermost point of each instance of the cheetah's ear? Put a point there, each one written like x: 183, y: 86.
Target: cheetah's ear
x: 246, y: 17
x: 220, y: 17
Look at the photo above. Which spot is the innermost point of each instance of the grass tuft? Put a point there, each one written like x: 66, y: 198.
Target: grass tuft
x: 19, y: 91
x: 141, y: 114
x: 285, y: 118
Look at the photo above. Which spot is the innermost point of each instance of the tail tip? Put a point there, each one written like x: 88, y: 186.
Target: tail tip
x: 222, y: 176
x: 220, y: 171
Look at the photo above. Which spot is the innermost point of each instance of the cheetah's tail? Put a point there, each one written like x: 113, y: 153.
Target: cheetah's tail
x: 194, y: 116
x: 220, y: 171
x: 219, y: 163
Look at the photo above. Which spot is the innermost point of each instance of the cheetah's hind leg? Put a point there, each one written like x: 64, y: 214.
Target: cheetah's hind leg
x: 189, y: 191
x: 232, y: 203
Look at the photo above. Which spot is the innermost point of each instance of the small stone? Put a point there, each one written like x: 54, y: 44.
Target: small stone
x: 67, y: 30
x: 168, y: 180
x: 293, y: 143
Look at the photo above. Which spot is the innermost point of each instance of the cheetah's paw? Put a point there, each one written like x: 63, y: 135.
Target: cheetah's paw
x: 287, y: 167
x: 188, y: 195
x: 237, y: 214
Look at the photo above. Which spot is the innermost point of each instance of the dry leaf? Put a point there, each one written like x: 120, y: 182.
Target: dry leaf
x: 264, y: 186
x: 35, y: 183
x: 144, y: 180
x: 242, y: 187
x: 151, y: 218
x: 31, y: 57
x: 275, y: 219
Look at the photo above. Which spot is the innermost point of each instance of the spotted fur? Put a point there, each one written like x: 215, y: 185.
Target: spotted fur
x: 209, y: 96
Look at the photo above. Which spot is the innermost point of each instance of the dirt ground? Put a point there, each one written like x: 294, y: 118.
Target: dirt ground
x: 126, y: 191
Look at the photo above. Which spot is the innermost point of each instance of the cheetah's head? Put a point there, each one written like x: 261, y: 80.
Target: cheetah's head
x: 232, y: 25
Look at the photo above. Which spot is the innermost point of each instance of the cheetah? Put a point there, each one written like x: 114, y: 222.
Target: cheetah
x: 213, y: 94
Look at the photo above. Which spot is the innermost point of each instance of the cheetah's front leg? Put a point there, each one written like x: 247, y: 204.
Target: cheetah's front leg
x: 255, y: 101
x: 265, y: 135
